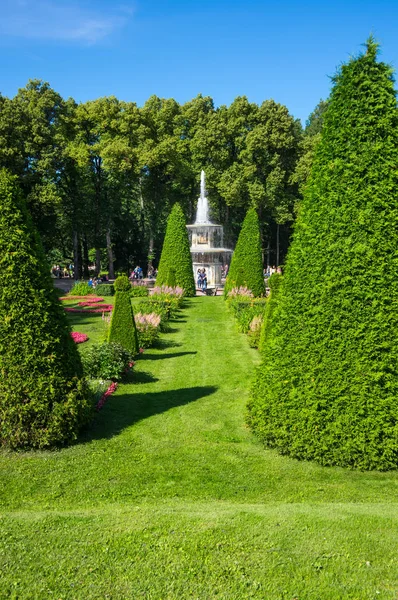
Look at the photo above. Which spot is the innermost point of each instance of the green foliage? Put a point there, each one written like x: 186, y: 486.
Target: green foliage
x: 245, y: 309
x: 81, y: 288
x: 139, y: 290
x: 329, y: 385
x: 176, y: 255
x: 105, y: 289
x: 105, y: 361
x: 43, y: 400
x: 159, y: 307
x: 274, y: 283
x: 122, y: 284
x: 171, y: 278
x: 147, y: 328
x: 122, y: 328
x: 246, y: 265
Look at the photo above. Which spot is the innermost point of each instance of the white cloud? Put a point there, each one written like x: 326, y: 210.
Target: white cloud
x: 56, y: 20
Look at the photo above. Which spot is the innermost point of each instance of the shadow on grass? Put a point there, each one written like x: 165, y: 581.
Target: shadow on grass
x: 123, y: 411
x: 141, y: 377
x: 163, y: 356
x: 163, y: 344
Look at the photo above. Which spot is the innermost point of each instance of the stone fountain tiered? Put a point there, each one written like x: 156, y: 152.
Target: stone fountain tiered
x: 206, y: 240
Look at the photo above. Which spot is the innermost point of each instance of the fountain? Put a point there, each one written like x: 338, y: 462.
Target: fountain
x: 206, y: 240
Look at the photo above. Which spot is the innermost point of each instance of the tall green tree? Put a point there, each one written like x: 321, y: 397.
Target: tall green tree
x: 328, y: 388
x: 43, y: 398
x: 246, y: 265
x: 176, y: 255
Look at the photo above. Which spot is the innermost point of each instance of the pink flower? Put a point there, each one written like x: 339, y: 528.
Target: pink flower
x: 79, y: 338
x: 105, y: 395
x: 141, y: 350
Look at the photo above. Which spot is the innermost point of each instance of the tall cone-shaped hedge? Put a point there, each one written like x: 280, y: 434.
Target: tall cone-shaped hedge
x: 43, y: 401
x: 123, y: 330
x: 328, y: 389
x: 176, y: 256
x: 246, y: 268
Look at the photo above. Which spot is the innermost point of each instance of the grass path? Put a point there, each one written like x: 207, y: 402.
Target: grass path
x: 170, y: 496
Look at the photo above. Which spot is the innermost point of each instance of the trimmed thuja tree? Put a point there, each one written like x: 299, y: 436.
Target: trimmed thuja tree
x: 43, y: 399
x: 123, y: 330
x: 246, y: 268
x: 328, y: 388
x: 175, y: 265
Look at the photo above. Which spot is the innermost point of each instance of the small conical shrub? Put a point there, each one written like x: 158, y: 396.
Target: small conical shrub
x: 176, y: 255
x: 328, y: 387
x: 122, y: 329
x: 43, y: 400
x: 246, y: 268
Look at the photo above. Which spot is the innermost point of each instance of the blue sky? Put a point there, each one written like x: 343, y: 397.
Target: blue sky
x: 173, y: 48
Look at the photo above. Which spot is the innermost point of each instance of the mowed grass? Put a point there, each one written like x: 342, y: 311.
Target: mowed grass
x: 168, y: 495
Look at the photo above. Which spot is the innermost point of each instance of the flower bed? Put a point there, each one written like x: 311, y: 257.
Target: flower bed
x: 79, y: 338
x: 89, y: 299
x: 99, y: 308
x: 106, y: 395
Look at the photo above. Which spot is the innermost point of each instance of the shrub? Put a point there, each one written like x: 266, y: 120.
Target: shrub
x: 139, y: 290
x: 245, y: 309
x: 176, y: 255
x: 105, y: 289
x: 106, y: 361
x: 122, y: 284
x: 147, y: 328
x: 43, y: 400
x: 159, y: 308
x: 329, y: 385
x: 122, y: 328
x: 81, y: 288
x: 246, y: 268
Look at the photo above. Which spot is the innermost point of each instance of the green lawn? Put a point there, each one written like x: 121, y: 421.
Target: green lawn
x: 169, y: 496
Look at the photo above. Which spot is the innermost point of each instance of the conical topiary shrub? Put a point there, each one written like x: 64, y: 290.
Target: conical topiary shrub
x: 43, y: 400
x: 246, y: 268
x: 328, y: 388
x: 123, y: 330
x: 176, y: 256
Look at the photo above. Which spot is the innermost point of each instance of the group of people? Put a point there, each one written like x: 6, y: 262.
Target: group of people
x: 271, y: 270
x: 94, y: 281
x: 201, y: 279
x: 138, y: 273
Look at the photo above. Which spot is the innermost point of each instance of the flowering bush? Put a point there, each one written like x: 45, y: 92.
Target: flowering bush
x: 138, y: 289
x: 171, y: 298
x: 240, y: 291
x: 79, y: 338
x: 106, y: 361
x: 147, y: 328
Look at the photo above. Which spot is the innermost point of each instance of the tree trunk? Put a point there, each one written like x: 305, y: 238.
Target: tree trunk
x: 110, y: 254
x: 150, y: 253
x: 97, y: 261
x: 269, y: 252
x: 76, y: 262
x: 86, y: 273
x: 277, y: 244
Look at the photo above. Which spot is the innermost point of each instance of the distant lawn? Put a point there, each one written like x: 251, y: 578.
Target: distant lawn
x: 168, y: 495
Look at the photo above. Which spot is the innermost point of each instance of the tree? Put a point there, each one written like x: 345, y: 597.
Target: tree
x: 123, y: 330
x: 246, y: 265
x: 176, y: 255
x: 43, y: 400
x: 328, y: 388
